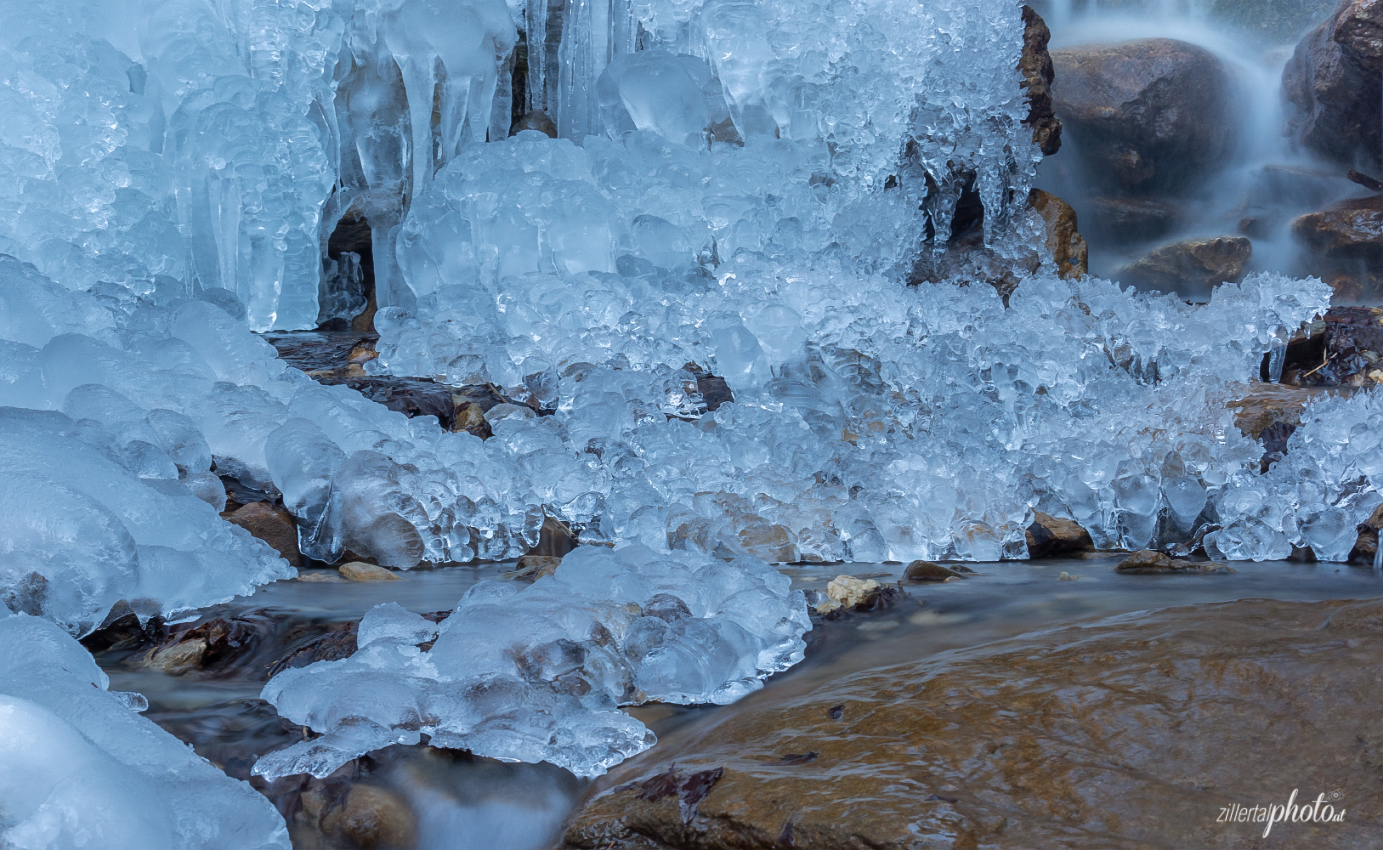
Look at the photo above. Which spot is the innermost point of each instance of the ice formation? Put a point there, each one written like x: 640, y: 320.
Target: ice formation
x: 80, y: 769
x: 538, y: 674
x: 741, y: 189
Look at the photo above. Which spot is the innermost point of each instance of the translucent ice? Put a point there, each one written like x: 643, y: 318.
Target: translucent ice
x: 538, y: 674
x: 79, y: 769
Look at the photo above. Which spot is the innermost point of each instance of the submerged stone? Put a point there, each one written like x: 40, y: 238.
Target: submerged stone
x: 1135, y: 731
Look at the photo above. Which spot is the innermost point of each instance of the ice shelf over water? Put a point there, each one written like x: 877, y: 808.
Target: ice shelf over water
x: 79, y: 768
x: 538, y: 674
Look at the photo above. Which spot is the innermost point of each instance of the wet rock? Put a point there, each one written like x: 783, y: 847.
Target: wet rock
x: 928, y: 571
x: 1349, y: 230
x: 1270, y: 414
x: 1343, y: 348
x: 216, y: 643
x: 1333, y: 80
x: 1366, y: 547
x: 1267, y: 405
x: 714, y: 391
x: 1035, y: 64
x: 273, y: 525
x: 372, y: 818
x: 555, y: 539
x: 410, y: 396
x: 849, y: 593
x: 1130, y: 733
x: 361, y: 571
x: 315, y: 351
x: 1064, y: 241
x: 470, y: 417
x: 123, y: 629
x: 1132, y: 219
x: 1152, y: 114
x: 1049, y: 536
x: 1191, y: 264
x: 177, y: 658
x: 1148, y: 561
x: 534, y: 567
x: 338, y: 642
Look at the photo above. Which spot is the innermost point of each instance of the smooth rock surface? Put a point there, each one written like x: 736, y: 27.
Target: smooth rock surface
x: 1348, y: 230
x: 1133, y: 732
x: 1049, y: 535
x: 361, y: 571
x: 1067, y: 246
x: 1151, y: 113
x: 1149, y: 562
x: 1191, y: 264
x: 1333, y: 79
x: 1035, y: 64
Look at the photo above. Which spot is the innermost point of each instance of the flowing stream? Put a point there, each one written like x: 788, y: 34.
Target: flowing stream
x: 462, y: 802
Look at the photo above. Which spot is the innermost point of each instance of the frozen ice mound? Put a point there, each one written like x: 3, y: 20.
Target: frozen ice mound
x: 538, y: 673
x: 88, y: 522
x: 168, y: 392
x: 1328, y: 483
x: 79, y: 768
x: 871, y: 420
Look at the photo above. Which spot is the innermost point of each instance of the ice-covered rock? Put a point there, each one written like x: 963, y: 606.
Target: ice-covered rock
x: 88, y: 521
x: 538, y: 673
x: 79, y: 768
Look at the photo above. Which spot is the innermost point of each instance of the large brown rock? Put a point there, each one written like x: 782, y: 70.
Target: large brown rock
x: 1064, y: 241
x: 1049, y: 535
x: 1191, y: 264
x: 1335, y: 80
x: 1132, y: 733
x: 1152, y: 114
x: 1035, y: 63
x: 1350, y: 230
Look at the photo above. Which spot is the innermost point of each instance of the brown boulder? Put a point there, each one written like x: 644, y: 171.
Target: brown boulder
x: 1351, y: 230
x: 372, y: 818
x: 1064, y: 241
x: 1150, y: 562
x: 1131, y: 733
x: 1191, y: 264
x: 1333, y: 79
x: 1049, y: 536
x: 1149, y: 114
x: 273, y: 525
x: 1035, y: 63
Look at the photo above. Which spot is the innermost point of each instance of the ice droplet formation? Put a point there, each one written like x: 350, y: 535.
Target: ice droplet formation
x: 79, y: 768
x: 539, y: 673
